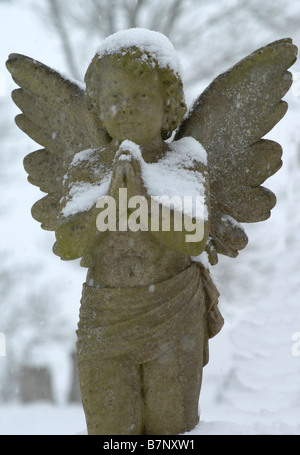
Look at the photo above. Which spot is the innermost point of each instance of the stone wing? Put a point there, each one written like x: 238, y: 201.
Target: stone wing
x: 230, y: 119
x: 55, y: 116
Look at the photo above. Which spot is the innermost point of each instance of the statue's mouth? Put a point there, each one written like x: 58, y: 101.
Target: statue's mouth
x: 124, y: 121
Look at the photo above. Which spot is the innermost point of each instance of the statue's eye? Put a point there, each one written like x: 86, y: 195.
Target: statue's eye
x: 114, y: 97
x: 141, y: 95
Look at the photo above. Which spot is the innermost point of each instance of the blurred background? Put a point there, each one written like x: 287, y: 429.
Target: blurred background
x: 252, y: 383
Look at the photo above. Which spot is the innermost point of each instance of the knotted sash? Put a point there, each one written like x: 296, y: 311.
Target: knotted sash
x: 139, y: 323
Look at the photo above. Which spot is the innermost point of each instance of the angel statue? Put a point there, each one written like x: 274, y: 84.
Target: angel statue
x: 148, y: 195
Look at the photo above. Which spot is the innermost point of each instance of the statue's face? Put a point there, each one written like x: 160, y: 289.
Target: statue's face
x: 131, y: 106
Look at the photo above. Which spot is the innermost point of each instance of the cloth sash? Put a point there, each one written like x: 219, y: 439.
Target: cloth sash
x: 139, y: 323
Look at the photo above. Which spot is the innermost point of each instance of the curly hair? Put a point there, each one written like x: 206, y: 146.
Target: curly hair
x: 136, y: 62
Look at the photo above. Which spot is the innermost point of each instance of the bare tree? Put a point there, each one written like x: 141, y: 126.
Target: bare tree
x: 209, y: 36
x: 59, y: 23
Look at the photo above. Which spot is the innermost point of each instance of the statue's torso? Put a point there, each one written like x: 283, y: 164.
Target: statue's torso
x: 127, y: 259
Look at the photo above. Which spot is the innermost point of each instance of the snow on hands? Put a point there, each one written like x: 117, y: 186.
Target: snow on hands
x: 172, y: 184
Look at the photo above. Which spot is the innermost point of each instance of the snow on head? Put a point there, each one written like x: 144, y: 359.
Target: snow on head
x: 153, y: 43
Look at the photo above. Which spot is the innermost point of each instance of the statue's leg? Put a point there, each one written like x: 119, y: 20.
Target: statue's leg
x: 172, y: 384
x: 111, y: 396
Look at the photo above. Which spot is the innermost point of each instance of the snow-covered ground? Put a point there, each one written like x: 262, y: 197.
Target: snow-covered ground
x: 41, y: 419
x: 46, y: 419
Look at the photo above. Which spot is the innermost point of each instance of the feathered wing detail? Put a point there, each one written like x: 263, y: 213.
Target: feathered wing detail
x: 53, y: 110
x: 55, y: 116
x: 46, y: 170
x: 229, y: 119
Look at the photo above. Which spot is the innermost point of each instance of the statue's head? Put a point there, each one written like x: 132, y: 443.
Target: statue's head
x: 133, y: 85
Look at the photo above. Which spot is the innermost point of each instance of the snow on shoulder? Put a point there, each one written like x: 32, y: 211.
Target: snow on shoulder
x: 174, y: 179
x: 175, y: 175
x: 154, y: 43
x: 84, y: 195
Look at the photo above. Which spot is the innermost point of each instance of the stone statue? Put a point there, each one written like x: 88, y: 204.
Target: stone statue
x: 120, y: 155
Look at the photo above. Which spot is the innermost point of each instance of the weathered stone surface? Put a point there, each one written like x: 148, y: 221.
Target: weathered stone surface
x: 246, y: 103
x: 148, y: 308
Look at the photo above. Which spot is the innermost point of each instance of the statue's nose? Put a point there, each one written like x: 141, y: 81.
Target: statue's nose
x: 127, y: 104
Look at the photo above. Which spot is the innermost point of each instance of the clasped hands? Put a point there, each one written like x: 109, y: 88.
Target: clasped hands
x: 127, y: 173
